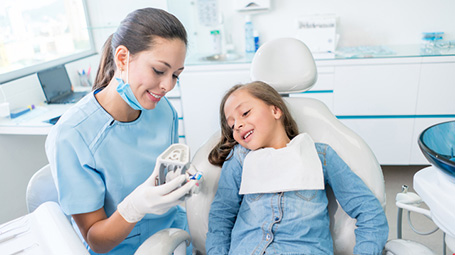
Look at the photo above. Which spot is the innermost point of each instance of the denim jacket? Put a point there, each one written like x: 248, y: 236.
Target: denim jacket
x: 293, y: 222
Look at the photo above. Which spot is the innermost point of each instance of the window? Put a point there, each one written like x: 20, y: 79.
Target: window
x: 35, y: 35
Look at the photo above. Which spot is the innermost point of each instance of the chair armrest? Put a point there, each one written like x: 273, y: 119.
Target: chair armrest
x: 165, y: 241
x: 405, y: 247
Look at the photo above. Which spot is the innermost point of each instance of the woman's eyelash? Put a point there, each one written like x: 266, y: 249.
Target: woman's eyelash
x: 161, y: 73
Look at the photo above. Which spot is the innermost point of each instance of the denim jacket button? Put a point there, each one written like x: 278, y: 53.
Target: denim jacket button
x: 268, y: 237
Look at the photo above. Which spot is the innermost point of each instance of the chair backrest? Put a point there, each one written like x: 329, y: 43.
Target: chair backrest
x: 293, y: 60
x: 41, y: 188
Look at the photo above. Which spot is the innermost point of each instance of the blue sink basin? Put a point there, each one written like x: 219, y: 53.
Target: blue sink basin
x: 438, y: 145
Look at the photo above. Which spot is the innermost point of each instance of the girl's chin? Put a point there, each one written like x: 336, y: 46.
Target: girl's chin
x: 251, y: 147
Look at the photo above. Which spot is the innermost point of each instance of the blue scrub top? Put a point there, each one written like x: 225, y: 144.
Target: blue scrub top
x: 97, y: 161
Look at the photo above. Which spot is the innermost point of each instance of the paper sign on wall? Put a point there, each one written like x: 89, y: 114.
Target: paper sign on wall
x: 318, y: 32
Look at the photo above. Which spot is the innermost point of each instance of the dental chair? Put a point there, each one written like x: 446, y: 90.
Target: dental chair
x: 40, y: 189
x: 45, y: 229
x: 289, y: 67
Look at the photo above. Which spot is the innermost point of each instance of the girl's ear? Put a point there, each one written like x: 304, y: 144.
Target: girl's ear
x: 277, y: 113
x: 120, y: 57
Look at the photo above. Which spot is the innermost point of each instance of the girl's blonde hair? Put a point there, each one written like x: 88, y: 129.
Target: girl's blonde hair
x: 261, y: 91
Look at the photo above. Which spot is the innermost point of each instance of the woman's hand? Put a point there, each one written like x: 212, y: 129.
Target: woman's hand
x: 148, y: 198
x: 103, y: 234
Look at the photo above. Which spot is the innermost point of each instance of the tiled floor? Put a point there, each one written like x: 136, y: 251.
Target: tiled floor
x: 395, y: 177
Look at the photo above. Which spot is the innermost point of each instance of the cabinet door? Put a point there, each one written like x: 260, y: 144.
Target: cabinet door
x: 376, y: 89
x: 201, y: 97
x: 437, y: 89
x: 389, y: 139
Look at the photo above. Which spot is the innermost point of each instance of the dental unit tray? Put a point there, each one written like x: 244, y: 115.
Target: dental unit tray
x: 173, y: 162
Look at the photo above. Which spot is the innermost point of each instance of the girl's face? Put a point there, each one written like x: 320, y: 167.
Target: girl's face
x: 254, y: 124
x: 154, y: 72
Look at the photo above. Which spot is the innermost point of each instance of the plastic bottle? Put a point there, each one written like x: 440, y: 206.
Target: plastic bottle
x: 256, y: 40
x: 249, y: 36
x: 216, y: 42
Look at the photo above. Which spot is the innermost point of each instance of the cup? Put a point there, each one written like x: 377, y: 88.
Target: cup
x: 85, y: 80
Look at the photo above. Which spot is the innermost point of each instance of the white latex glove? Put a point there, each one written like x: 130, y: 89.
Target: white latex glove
x: 148, y: 198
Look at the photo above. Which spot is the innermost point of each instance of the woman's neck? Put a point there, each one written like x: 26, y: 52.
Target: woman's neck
x: 113, y: 103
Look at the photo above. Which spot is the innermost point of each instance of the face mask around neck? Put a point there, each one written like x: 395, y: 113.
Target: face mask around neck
x: 124, y: 89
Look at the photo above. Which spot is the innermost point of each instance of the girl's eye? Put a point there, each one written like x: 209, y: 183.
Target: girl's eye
x: 246, y: 113
x: 158, y: 72
x: 175, y: 76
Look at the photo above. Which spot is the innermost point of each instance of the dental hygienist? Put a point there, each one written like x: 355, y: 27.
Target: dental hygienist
x: 103, y: 150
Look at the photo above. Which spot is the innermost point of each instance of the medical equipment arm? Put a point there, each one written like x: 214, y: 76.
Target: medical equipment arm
x: 359, y: 203
x: 225, y: 206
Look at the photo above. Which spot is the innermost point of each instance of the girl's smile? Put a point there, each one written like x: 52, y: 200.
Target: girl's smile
x: 254, y: 124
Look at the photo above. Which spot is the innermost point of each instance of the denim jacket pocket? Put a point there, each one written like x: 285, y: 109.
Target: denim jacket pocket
x: 306, y: 195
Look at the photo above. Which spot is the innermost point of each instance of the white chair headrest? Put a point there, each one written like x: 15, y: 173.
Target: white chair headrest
x: 286, y: 64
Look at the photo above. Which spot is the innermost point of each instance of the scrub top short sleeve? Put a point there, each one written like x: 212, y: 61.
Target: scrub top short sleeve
x: 81, y: 188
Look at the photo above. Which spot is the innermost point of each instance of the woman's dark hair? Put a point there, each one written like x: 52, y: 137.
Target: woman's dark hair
x: 261, y: 91
x: 137, y: 33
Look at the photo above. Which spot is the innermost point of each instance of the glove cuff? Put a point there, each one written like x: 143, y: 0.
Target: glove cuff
x: 129, y: 212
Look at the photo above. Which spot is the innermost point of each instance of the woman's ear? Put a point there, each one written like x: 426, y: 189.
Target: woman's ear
x: 121, y: 57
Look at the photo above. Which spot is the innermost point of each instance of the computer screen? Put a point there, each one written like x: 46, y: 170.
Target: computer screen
x: 55, y: 82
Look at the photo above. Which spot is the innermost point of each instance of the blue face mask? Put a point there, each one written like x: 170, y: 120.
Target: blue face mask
x: 125, y: 91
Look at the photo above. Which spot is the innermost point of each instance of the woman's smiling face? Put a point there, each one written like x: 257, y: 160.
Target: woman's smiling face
x: 154, y: 72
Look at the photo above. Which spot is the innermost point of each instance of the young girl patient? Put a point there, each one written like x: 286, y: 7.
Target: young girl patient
x: 271, y: 196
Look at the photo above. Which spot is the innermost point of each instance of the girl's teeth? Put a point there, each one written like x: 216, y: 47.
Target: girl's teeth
x: 248, y: 134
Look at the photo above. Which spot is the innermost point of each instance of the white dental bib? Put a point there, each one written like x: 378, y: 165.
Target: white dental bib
x: 294, y: 167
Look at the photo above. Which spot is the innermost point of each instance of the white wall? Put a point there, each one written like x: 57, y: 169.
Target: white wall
x: 367, y: 22
x: 106, y: 15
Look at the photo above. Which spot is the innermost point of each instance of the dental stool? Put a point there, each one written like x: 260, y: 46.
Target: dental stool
x: 435, y: 185
x: 288, y: 66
